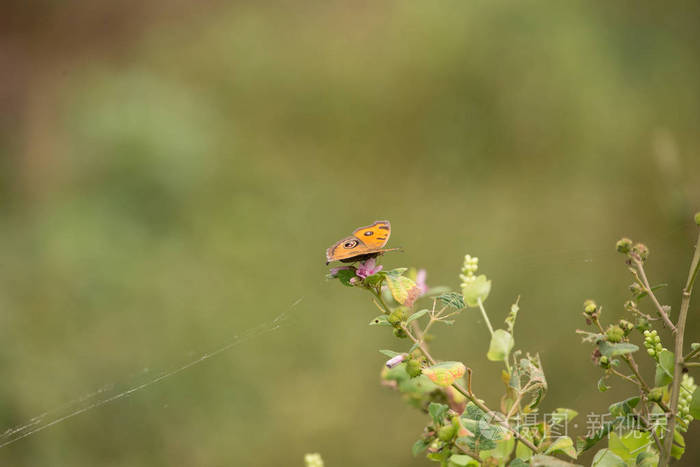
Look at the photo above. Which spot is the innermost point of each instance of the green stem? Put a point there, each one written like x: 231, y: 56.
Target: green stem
x: 678, y: 354
x: 486, y: 317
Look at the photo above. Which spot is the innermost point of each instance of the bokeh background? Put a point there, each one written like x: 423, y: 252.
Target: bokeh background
x: 172, y: 172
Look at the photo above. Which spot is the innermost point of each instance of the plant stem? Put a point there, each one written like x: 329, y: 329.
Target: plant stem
x: 678, y: 354
x: 470, y: 395
x: 650, y: 293
x: 486, y: 317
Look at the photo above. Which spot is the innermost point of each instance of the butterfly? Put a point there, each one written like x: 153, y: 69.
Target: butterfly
x: 364, y: 243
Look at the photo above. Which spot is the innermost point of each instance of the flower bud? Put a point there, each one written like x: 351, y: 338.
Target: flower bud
x: 635, y: 288
x: 604, y: 362
x: 400, y: 333
x: 395, y: 361
x: 641, y: 251
x: 626, y: 326
x: 631, y: 306
x: 624, y: 245
x: 589, y: 307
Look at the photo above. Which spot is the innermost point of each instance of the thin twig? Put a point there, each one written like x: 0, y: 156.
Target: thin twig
x: 647, y: 288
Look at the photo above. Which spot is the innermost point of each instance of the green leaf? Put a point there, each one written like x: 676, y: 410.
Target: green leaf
x: 476, y: 290
x: 375, y: 279
x: 380, y: 320
x: 630, y: 445
x: 647, y: 459
x: 563, y: 444
x: 502, y: 451
x: 607, y: 458
x: 678, y: 447
x: 641, y: 295
x: 445, y: 373
x: 453, y: 299
x: 583, y: 444
x: 623, y: 408
x: 501, y: 345
x: 612, y: 350
x: 419, y: 446
x: 695, y: 404
x: 401, y: 288
x: 518, y: 462
x: 437, y: 412
x: 664, y: 369
x: 416, y: 315
x: 540, y: 460
x: 389, y: 353
x: 566, y: 414
x: 344, y: 276
x: 463, y: 460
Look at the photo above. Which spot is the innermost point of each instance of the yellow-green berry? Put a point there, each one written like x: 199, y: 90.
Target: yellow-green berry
x: 656, y: 394
x: 446, y: 433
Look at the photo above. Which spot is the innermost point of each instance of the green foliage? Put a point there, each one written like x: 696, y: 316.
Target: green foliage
x: 501, y: 344
x: 664, y: 369
x: 476, y: 290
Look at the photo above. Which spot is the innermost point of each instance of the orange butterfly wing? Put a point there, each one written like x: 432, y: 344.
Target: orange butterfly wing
x: 364, y: 241
x: 374, y: 236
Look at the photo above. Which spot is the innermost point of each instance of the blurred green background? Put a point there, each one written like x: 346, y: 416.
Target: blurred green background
x: 172, y: 172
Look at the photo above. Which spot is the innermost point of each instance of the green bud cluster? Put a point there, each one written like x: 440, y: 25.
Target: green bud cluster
x: 471, y: 265
x: 626, y: 326
x: 413, y: 368
x: 688, y: 387
x: 624, y: 245
x: 652, y: 342
x: 615, y: 333
x: 590, y: 308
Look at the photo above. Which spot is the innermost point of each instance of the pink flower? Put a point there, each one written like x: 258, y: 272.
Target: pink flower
x: 368, y: 268
x: 420, y: 281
